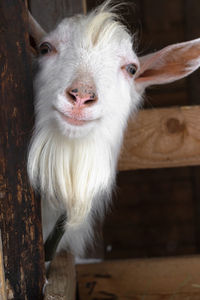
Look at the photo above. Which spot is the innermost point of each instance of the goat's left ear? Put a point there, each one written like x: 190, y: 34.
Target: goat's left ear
x: 169, y: 64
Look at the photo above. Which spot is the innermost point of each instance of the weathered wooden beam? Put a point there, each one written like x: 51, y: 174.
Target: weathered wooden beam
x: 62, y: 278
x: 175, y: 278
x: 20, y: 210
x: 2, y: 274
x: 160, y: 138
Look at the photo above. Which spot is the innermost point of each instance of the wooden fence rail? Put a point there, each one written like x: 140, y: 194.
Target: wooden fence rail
x: 160, y: 138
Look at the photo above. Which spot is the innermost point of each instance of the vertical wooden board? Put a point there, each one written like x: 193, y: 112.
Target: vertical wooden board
x: 192, y: 20
x: 2, y: 274
x: 192, y: 31
x: 195, y: 176
x: 163, y: 22
x: 50, y: 12
x: 19, y: 210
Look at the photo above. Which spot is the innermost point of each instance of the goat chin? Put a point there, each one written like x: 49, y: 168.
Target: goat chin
x: 73, y: 175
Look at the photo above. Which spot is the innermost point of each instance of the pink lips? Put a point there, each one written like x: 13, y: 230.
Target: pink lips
x: 72, y: 121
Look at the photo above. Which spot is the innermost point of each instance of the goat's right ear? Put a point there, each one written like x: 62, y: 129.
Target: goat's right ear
x: 169, y: 64
x: 36, y: 33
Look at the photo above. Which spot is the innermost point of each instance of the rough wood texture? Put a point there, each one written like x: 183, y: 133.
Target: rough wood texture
x: 20, y: 211
x: 2, y: 274
x: 149, y: 279
x: 160, y: 138
x: 62, y: 278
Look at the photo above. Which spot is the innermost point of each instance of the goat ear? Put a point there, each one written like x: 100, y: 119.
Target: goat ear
x: 169, y: 64
x: 35, y: 31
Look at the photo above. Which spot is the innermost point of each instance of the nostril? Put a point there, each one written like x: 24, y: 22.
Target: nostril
x: 71, y: 96
x: 92, y: 98
x: 90, y: 101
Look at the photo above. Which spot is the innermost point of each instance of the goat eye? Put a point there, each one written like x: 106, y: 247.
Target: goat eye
x: 45, y: 48
x: 131, y: 69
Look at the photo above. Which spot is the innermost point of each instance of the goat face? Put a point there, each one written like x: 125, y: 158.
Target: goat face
x: 87, y: 66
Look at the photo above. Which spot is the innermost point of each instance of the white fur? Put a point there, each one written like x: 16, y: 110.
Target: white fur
x: 74, y: 167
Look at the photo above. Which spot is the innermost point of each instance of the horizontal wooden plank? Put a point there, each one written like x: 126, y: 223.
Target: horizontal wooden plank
x: 62, y: 278
x: 149, y: 279
x: 160, y: 138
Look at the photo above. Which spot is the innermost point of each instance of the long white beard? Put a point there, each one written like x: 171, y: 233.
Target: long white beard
x: 71, y: 173
x: 76, y: 176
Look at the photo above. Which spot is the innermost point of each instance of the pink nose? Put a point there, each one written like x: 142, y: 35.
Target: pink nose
x: 81, y: 95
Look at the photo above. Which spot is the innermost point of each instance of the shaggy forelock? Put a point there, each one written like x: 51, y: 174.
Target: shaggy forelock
x: 102, y: 26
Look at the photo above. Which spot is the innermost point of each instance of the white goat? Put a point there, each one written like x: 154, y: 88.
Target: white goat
x: 90, y: 81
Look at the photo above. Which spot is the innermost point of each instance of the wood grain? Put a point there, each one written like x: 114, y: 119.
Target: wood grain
x: 2, y: 274
x: 62, y: 278
x: 19, y: 209
x: 160, y: 138
x: 149, y: 279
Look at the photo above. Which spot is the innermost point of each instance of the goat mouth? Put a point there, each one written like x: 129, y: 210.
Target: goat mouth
x: 72, y: 120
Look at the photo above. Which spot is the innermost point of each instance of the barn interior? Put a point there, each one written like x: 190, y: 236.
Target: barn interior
x: 156, y: 210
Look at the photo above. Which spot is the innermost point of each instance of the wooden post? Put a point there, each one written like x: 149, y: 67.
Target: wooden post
x: 2, y: 275
x: 62, y: 278
x: 19, y: 210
